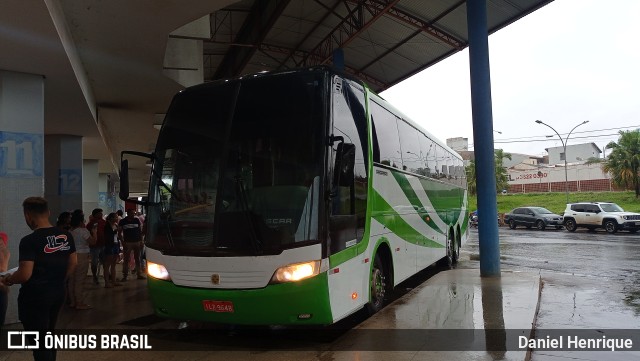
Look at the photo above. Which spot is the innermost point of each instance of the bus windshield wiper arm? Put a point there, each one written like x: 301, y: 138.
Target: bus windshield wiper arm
x: 164, y: 217
x: 164, y: 185
x: 244, y: 205
x: 166, y: 220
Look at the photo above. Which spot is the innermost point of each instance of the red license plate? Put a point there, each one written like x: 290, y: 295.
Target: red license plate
x: 217, y: 306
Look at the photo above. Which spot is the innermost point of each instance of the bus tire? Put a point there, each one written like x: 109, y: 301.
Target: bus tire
x: 378, y: 286
x: 455, y: 251
x: 448, y: 260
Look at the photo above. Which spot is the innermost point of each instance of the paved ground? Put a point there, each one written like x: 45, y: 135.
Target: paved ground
x: 586, y: 280
x: 590, y: 282
x: 411, y: 328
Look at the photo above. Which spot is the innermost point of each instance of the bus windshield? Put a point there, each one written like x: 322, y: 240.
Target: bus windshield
x: 238, y: 167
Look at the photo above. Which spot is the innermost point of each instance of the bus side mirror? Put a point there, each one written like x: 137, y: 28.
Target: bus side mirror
x: 343, y: 171
x: 124, y: 180
x: 124, y: 174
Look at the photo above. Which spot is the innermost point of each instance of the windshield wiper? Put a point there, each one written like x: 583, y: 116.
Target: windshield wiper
x: 166, y: 219
x: 164, y: 185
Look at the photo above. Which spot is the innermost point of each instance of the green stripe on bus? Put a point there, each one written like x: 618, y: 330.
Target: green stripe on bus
x: 407, y: 189
x: 386, y: 215
x: 343, y: 256
x: 446, y: 198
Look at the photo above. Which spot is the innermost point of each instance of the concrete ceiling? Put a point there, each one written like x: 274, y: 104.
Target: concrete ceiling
x: 104, y: 60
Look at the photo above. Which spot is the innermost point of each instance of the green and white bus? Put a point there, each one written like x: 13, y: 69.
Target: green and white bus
x: 295, y: 197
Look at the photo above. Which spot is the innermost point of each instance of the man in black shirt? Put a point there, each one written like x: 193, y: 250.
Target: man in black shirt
x: 46, y: 258
x: 130, y: 232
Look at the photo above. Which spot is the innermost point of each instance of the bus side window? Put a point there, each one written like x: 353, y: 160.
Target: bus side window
x: 412, y: 157
x: 387, y: 134
x: 427, y: 149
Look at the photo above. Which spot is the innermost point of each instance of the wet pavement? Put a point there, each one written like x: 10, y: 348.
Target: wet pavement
x: 590, y: 281
x: 427, y: 322
x: 575, y: 281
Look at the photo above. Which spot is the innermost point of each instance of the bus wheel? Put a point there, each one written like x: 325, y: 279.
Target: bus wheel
x: 378, y: 286
x: 455, y: 251
x: 448, y: 260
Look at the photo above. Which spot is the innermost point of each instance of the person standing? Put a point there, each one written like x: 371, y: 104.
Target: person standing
x: 130, y: 232
x: 4, y: 266
x: 46, y: 258
x: 64, y: 221
x: 84, y: 239
x: 111, y: 251
x: 96, y: 221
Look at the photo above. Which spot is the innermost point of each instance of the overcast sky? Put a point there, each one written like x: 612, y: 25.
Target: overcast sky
x: 571, y: 61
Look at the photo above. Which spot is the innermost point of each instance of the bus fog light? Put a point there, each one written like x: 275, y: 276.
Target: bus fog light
x: 296, y: 272
x: 157, y: 271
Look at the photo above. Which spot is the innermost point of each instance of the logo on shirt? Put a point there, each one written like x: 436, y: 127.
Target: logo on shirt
x: 56, y: 243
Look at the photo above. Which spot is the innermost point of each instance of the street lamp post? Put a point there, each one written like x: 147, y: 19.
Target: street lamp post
x: 564, y: 148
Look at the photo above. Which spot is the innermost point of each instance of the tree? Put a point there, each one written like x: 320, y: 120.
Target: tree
x: 471, y: 177
x: 502, y: 178
x: 623, y: 162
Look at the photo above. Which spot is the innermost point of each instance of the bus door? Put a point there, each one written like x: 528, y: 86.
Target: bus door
x: 347, y: 201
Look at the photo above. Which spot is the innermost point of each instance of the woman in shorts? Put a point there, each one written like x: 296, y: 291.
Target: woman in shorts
x: 111, y: 251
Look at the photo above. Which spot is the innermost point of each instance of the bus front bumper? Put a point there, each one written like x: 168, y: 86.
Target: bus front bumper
x: 304, y: 302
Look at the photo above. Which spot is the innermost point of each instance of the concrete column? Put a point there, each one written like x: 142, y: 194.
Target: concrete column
x: 63, y: 173
x: 483, y: 137
x: 21, y: 158
x: 90, y: 185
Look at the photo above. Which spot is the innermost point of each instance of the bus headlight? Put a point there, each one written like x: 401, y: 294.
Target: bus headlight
x: 157, y: 271
x: 296, y: 272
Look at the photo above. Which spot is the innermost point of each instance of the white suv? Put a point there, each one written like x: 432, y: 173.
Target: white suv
x: 605, y: 215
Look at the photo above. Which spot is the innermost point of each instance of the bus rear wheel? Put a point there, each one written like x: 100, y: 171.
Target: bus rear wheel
x: 378, y: 286
x: 455, y: 251
x: 451, y: 258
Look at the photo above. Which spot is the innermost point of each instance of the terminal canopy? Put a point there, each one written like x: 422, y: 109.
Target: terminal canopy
x: 111, y: 68
x: 383, y: 41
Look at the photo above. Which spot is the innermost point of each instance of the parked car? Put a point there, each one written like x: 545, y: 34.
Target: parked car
x: 539, y: 217
x: 592, y: 215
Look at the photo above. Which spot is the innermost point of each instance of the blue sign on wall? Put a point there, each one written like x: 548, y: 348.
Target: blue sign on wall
x: 102, y: 199
x: 21, y: 155
x: 70, y: 181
